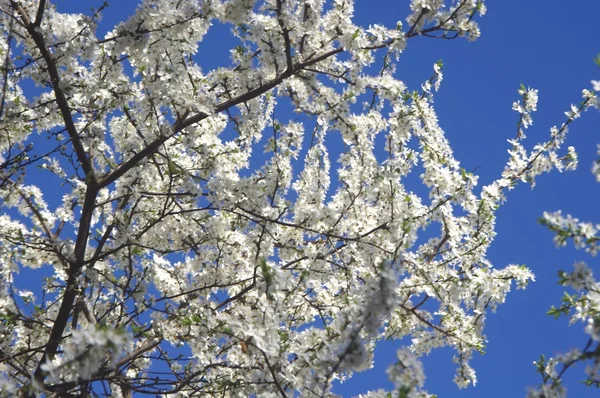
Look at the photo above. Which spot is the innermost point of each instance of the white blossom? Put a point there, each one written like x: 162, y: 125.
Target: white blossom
x: 252, y: 228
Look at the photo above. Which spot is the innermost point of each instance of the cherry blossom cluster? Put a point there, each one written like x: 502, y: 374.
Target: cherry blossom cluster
x: 582, y: 303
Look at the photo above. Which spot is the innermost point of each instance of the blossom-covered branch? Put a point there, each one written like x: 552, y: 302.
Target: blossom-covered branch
x: 197, y: 239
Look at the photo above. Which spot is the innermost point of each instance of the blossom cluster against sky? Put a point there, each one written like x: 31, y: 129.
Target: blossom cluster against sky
x: 548, y: 45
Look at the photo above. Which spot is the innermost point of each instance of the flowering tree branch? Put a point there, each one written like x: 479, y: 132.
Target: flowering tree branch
x: 174, y: 267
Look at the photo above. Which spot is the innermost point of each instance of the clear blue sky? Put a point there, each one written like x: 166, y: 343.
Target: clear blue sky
x: 546, y: 44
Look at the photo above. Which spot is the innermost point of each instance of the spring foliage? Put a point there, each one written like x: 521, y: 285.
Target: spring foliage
x: 174, y: 265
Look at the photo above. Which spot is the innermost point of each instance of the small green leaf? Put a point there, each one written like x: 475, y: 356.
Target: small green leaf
x: 404, y: 391
x: 196, y: 318
x: 174, y: 170
x: 136, y: 329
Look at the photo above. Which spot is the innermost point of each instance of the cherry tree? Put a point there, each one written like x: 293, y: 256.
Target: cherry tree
x: 582, y: 303
x: 174, y: 265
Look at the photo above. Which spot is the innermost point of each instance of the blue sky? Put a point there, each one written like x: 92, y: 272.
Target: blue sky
x: 546, y: 44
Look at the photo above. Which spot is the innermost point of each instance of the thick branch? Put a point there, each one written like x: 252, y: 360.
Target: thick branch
x: 61, y: 99
x: 62, y: 318
x: 182, y: 124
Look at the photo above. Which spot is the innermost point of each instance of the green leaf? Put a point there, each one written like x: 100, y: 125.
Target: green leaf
x: 553, y: 311
x: 186, y: 321
x: 174, y: 170
x: 480, y: 347
x: 567, y: 298
x: 540, y: 364
x: 404, y: 391
x: 562, y: 277
x: 227, y: 330
x: 137, y: 329
x: 196, y: 318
